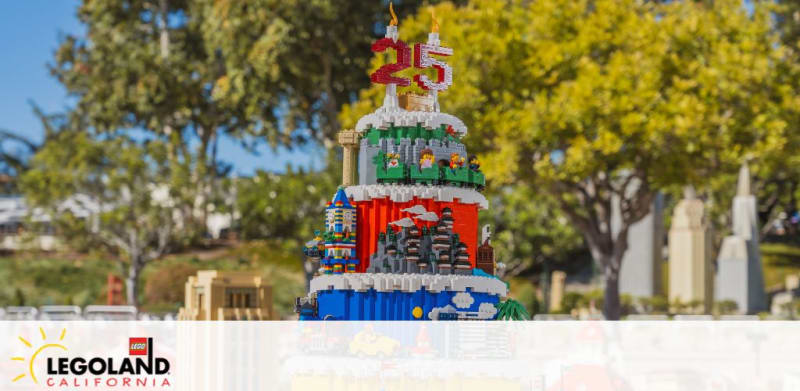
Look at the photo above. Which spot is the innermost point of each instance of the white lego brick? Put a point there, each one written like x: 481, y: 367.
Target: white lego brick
x: 386, y: 116
x: 405, y: 193
x: 387, y: 282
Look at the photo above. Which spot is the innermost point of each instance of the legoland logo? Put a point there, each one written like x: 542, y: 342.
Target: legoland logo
x: 140, y: 369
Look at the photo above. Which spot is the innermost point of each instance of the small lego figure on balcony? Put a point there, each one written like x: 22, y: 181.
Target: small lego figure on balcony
x: 427, y: 158
x: 392, y: 160
x: 456, y: 161
x: 474, y: 163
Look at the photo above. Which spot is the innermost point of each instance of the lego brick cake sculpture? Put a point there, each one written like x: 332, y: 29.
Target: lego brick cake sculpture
x: 402, y: 244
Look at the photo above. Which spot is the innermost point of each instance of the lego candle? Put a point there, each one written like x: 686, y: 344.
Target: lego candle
x: 423, y: 59
x: 384, y: 74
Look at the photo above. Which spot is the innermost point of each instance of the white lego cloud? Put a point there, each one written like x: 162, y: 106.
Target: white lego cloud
x: 404, y: 222
x: 416, y: 209
x: 486, y: 310
x: 428, y: 216
x: 463, y: 300
x: 434, y: 314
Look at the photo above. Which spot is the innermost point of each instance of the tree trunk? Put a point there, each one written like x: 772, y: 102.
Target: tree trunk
x: 612, y: 308
x: 610, y: 264
x: 132, y: 283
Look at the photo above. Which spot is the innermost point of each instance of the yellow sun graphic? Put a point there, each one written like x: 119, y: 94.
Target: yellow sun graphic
x: 44, y: 345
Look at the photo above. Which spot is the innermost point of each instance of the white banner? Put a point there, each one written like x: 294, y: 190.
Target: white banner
x: 552, y: 356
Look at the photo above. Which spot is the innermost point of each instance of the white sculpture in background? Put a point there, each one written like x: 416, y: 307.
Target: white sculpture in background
x: 690, y: 269
x: 739, y: 272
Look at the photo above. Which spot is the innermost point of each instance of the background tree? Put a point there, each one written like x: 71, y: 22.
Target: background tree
x: 16, y: 149
x: 286, y: 208
x: 108, y: 192
x: 604, y: 102
x: 530, y: 233
x: 192, y: 72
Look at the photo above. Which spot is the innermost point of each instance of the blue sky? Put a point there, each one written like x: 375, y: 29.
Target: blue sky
x: 31, y: 31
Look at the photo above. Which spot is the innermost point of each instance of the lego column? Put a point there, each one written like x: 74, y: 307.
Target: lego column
x: 557, y: 290
x: 349, y: 141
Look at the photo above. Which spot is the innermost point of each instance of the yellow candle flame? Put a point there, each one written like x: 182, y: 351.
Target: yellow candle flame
x: 393, y: 22
x: 434, y: 22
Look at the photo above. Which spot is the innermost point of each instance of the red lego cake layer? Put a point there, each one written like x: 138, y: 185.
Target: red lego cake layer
x: 375, y: 214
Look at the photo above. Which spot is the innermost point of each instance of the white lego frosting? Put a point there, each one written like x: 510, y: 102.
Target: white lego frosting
x: 406, y: 193
x: 387, y: 282
x: 387, y: 116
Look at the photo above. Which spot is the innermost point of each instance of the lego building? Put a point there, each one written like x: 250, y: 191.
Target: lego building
x: 415, y: 209
x: 340, y: 236
x: 227, y: 295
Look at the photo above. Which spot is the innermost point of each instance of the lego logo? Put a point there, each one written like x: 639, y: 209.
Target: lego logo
x: 137, y: 346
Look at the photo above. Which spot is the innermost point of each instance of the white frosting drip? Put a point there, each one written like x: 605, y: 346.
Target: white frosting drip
x: 405, y: 193
x: 388, y: 115
x: 387, y: 282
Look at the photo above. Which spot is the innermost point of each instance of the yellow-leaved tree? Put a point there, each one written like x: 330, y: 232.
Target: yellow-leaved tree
x: 605, y: 102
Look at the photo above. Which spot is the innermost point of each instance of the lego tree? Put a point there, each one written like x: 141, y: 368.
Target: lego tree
x: 511, y: 309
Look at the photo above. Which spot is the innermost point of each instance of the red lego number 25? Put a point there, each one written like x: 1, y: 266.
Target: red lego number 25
x: 384, y: 75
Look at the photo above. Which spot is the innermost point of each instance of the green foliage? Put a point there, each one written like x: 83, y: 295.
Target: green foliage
x: 511, y: 309
x: 289, y: 206
x: 277, y: 261
x: 726, y: 307
x: 779, y: 260
x: 529, y: 231
x: 525, y: 292
x: 591, y: 101
x: 165, y: 286
x: 573, y: 301
x: 37, y: 279
x: 192, y: 72
x: 106, y: 192
x: 275, y: 70
x: 19, y: 297
x: 687, y: 307
x: 654, y: 305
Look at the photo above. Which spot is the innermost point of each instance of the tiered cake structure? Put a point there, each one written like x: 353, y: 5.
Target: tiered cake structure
x: 415, y: 209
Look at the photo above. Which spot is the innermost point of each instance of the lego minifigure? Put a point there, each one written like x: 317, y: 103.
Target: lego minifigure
x: 456, y: 161
x: 427, y: 158
x: 474, y: 163
x: 392, y: 160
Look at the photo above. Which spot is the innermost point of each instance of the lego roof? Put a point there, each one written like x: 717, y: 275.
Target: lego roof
x: 340, y: 200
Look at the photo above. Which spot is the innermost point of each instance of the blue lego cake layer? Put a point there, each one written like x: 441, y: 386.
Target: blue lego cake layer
x: 347, y: 304
x: 388, y: 296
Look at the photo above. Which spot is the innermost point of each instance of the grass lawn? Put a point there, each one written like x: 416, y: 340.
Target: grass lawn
x: 43, y: 279
x: 37, y: 279
x: 779, y: 260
